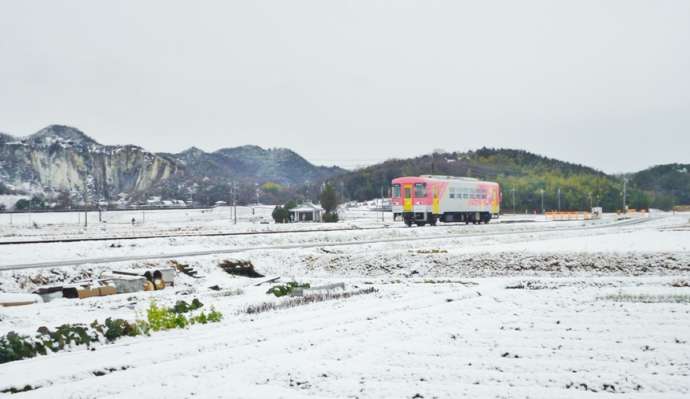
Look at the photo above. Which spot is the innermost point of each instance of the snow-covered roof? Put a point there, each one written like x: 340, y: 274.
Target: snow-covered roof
x: 306, y: 207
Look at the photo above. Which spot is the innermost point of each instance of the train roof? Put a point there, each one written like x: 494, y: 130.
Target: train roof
x: 425, y: 178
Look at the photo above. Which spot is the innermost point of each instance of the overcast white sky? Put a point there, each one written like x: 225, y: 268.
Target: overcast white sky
x: 603, y: 83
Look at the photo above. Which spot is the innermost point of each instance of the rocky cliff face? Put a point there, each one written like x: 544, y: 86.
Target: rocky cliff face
x: 62, y: 158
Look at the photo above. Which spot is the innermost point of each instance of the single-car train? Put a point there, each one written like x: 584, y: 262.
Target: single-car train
x: 428, y: 199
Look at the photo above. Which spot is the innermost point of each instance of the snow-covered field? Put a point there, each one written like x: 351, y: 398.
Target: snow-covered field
x: 536, y: 309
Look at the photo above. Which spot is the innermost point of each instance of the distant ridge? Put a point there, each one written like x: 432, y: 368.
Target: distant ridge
x: 522, y: 171
x: 65, y: 159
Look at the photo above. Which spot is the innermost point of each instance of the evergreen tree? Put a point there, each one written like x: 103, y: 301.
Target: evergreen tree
x: 329, y: 199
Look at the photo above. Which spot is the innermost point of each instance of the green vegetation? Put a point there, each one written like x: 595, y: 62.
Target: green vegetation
x: 271, y: 187
x: 285, y: 289
x: 164, y: 318
x: 665, y: 185
x: 330, y: 217
x: 15, y: 347
x: 280, y: 214
x: 184, y: 307
x: 329, y: 203
x: 170, y: 318
x: 35, y: 202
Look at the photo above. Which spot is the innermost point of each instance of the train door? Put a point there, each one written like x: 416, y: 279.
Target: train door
x: 407, y: 198
x: 435, y: 207
x: 495, y: 200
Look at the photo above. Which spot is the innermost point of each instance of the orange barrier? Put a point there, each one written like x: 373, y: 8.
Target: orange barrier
x: 568, y: 215
x: 634, y: 212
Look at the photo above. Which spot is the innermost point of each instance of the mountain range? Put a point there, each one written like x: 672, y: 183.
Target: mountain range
x: 63, y: 159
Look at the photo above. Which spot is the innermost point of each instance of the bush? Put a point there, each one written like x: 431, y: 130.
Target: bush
x: 35, y: 202
x: 281, y: 215
x: 328, y: 198
x: 22, y: 204
x: 331, y: 217
x: 215, y: 316
x: 284, y: 289
x: 122, y: 328
x: 64, y: 336
x: 164, y: 319
x: 169, y: 318
x: 16, y: 347
x: 184, y: 307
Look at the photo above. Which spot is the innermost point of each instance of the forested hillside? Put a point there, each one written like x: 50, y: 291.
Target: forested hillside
x: 666, y: 185
x: 517, y: 171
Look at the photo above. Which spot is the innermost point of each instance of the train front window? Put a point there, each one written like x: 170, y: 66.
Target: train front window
x: 408, y: 192
x: 420, y: 190
x: 396, y: 191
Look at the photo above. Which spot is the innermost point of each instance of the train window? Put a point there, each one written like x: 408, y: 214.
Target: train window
x: 396, y: 191
x: 465, y: 195
x: 408, y: 192
x: 420, y: 190
x: 452, y: 192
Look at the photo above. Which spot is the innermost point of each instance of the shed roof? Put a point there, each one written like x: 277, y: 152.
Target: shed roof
x: 306, y: 207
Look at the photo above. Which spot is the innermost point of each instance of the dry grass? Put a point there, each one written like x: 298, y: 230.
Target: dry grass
x: 305, y: 300
x: 647, y: 298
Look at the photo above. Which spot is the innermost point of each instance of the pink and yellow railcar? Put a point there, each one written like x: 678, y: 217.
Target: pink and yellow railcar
x: 429, y: 199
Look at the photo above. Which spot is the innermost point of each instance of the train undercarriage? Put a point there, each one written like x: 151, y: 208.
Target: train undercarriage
x: 423, y: 218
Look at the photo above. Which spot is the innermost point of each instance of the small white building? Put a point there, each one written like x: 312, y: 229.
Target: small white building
x: 306, y: 212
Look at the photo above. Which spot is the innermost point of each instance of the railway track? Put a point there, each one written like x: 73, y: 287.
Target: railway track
x: 186, y: 254
x: 153, y: 236
x: 220, y: 234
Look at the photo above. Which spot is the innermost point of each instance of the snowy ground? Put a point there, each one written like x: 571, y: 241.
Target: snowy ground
x: 498, y: 310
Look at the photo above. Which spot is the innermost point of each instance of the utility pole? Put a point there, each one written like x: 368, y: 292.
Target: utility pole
x: 234, y: 202
x: 432, y: 162
x: 32, y: 197
x: 513, y: 190
x: 625, y: 193
x: 559, y: 199
x: 590, y: 202
x: 382, y: 204
x: 542, y: 200
x: 86, y: 207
